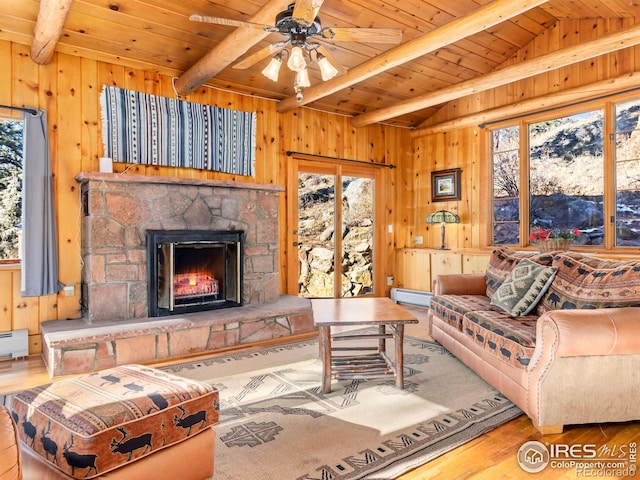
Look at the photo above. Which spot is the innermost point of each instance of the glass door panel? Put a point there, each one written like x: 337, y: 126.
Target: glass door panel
x: 316, y: 235
x: 357, y: 236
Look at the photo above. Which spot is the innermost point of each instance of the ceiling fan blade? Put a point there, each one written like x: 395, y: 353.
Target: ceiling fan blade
x: 228, y: 22
x: 307, y: 9
x: 371, y: 35
x: 324, y: 51
x: 260, y: 54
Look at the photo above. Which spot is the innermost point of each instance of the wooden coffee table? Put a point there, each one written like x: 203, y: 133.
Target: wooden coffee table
x: 382, y: 312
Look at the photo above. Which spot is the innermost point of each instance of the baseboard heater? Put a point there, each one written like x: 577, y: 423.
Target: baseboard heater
x: 14, y: 344
x: 411, y: 297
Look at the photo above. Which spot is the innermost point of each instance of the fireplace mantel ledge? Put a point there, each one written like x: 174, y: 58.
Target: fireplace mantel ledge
x: 85, y: 177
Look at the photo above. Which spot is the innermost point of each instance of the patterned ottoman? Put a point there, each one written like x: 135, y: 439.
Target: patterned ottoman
x: 100, y: 422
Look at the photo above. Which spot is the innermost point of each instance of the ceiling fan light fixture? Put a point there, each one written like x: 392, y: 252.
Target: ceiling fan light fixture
x: 327, y: 70
x: 302, y: 79
x: 296, y: 60
x: 272, y: 70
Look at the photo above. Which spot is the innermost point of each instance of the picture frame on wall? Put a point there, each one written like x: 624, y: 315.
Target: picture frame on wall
x: 445, y: 185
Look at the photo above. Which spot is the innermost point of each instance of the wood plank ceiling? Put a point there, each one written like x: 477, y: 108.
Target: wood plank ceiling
x: 446, y: 45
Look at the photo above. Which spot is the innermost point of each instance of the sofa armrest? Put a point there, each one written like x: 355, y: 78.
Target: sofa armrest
x: 460, y: 284
x: 604, y: 331
x: 584, y: 368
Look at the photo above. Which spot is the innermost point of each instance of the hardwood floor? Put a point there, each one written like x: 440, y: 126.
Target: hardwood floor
x: 491, y: 456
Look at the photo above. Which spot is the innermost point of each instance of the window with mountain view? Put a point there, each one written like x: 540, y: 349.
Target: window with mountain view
x: 10, y: 189
x: 564, y: 176
x: 627, y: 173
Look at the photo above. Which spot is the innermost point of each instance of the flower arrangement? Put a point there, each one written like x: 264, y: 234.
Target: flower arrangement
x: 542, y: 234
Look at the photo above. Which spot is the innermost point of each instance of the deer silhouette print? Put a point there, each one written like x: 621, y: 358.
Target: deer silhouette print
x: 30, y: 430
x: 131, y: 445
x: 50, y: 447
x: 77, y: 460
x: 190, y: 420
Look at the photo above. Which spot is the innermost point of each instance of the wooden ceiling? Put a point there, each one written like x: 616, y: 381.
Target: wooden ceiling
x: 445, y: 44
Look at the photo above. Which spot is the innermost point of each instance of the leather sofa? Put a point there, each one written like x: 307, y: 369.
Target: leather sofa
x: 10, y: 458
x: 573, y: 359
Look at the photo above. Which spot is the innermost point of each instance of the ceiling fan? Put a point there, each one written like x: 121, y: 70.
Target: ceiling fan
x: 301, y: 27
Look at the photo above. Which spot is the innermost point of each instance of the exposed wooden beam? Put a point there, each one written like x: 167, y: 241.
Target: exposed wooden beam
x: 536, y: 104
x: 625, y: 38
x: 52, y: 14
x: 481, y: 19
x: 229, y: 49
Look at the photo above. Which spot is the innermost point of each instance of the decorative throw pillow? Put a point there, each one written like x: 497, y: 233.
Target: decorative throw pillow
x: 502, y: 261
x: 580, y: 285
x: 526, y: 284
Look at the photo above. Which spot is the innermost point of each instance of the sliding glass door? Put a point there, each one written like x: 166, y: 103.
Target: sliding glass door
x: 332, y: 239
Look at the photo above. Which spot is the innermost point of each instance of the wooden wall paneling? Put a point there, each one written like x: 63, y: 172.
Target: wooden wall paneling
x: 69, y: 155
x: 539, y: 47
x: 267, y: 144
x: 422, y: 187
x: 332, y: 135
x: 91, y: 135
x: 6, y: 73
x: 6, y: 297
x: 407, y: 195
x: 464, y: 207
x: 571, y: 37
x: 554, y: 44
x: 25, y: 309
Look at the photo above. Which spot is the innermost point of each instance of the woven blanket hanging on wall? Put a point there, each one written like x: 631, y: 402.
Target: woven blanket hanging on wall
x: 147, y: 129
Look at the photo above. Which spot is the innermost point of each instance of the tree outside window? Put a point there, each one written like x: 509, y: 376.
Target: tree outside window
x: 10, y: 189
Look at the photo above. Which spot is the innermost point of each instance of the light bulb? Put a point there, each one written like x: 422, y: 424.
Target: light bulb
x: 271, y: 71
x: 327, y: 70
x: 302, y: 78
x: 296, y: 60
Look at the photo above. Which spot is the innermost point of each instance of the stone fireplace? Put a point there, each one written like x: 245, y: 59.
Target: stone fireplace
x: 119, y: 210
x: 128, y: 316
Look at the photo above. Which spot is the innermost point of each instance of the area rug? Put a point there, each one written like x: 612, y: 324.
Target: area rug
x: 276, y: 424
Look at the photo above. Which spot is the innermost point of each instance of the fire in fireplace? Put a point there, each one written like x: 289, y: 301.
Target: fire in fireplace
x: 193, y: 270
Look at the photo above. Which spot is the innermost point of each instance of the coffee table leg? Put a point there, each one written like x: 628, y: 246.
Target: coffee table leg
x: 325, y: 353
x: 399, y: 338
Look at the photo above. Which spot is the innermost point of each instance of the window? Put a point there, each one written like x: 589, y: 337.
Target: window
x: 562, y: 162
x: 10, y: 189
x: 506, y: 185
x: 627, y: 173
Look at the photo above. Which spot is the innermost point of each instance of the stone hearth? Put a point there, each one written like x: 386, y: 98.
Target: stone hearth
x: 74, y: 346
x: 115, y: 329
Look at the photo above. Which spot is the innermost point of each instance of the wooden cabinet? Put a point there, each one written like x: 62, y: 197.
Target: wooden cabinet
x: 415, y: 268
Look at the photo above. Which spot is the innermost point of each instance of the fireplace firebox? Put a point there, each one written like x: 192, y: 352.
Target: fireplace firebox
x: 193, y: 270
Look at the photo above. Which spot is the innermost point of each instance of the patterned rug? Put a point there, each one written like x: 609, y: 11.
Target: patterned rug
x: 276, y: 424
